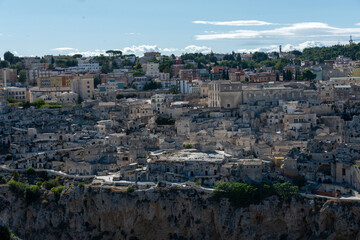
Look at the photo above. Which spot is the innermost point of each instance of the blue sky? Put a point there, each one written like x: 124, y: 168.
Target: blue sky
x: 91, y: 27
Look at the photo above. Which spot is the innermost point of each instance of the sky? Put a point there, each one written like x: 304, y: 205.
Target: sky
x: 90, y: 27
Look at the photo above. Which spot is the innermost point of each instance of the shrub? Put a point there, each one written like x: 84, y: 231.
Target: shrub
x: 164, y: 121
x: 30, y: 171
x: 15, y: 175
x: 285, y: 190
x: 32, y: 193
x: 238, y: 193
x: 130, y: 189
x: 188, y: 146
x: 5, y: 233
x: 242, y: 194
x: 16, y: 187
x: 58, y: 190
x: 39, y: 184
x: 81, y: 185
x: 198, y: 183
x: 2, y: 179
x: 51, y: 184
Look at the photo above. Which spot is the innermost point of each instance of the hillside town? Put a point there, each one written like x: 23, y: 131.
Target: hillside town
x: 201, y: 118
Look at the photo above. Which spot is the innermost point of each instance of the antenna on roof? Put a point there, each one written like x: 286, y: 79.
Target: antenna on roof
x: 351, y: 41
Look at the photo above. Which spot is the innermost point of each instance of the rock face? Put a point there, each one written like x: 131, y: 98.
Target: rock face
x: 108, y: 213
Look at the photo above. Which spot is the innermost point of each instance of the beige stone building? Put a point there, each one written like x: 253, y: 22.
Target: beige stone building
x: 84, y: 86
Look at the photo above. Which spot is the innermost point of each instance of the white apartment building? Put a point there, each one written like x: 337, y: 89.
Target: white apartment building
x: 151, y: 69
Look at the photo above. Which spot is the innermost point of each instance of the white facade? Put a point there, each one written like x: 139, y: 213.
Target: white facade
x: 152, y: 69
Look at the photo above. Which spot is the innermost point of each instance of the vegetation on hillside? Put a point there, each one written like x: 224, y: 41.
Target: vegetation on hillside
x: 243, y: 194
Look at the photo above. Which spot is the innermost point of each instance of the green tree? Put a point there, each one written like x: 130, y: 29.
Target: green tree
x: 296, y: 53
x: 10, y: 100
x: 152, y: 85
x: 51, y: 184
x: 15, y: 175
x: 259, y: 56
x: 26, y: 104
x: 38, y: 103
x: 308, y: 75
x: 130, y: 189
x: 138, y: 73
x: 97, y: 81
x: 2, y: 179
x: 58, y: 190
x: 30, y: 171
x: 22, y: 76
x: 285, y: 190
x: 16, y: 187
x: 8, y: 56
x: 4, y: 64
x: 174, y: 89
x: 105, y: 68
x: 114, y: 65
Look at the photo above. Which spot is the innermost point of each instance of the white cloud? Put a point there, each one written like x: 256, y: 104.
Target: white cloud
x: 169, y: 50
x: 235, y: 23
x: 196, y: 49
x: 297, y: 30
x: 64, y: 49
x: 141, y: 48
x: 357, y: 24
x: 132, y: 33
x: 94, y: 53
x: 137, y: 49
x: 290, y: 47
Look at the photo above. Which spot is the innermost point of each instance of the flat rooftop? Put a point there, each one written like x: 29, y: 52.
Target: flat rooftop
x: 190, y: 155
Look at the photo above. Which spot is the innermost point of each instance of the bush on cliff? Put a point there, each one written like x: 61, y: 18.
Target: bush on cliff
x: 30, y: 171
x: 242, y: 194
x: 130, y: 189
x: 32, y: 193
x: 15, y: 175
x: 285, y: 190
x: 58, y: 190
x: 16, y: 187
x: 2, y: 179
x: 51, y: 184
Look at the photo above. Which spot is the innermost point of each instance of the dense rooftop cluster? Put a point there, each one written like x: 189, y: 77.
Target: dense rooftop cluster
x: 253, y: 118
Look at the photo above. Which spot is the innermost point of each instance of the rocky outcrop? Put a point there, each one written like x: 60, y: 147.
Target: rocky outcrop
x: 173, y: 213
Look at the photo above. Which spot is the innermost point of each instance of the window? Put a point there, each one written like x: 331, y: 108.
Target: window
x: 343, y: 172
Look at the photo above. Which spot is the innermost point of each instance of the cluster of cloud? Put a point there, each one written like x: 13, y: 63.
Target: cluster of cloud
x: 135, y: 49
x: 64, y: 49
x: 290, y: 47
x: 303, y: 30
x: 235, y: 23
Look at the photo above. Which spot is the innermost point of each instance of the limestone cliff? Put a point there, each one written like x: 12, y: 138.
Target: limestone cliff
x: 163, y: 213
